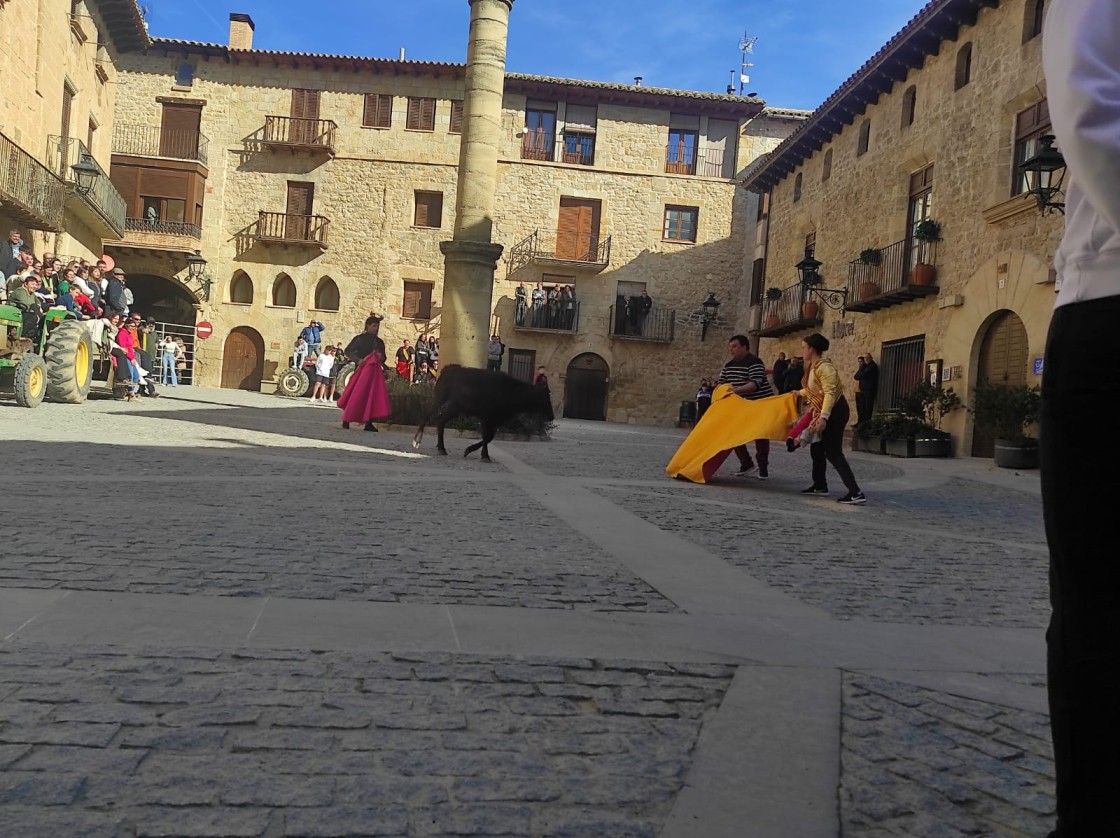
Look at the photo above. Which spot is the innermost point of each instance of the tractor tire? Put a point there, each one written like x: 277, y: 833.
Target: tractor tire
x: 343, y: 377
x: 292, y: 383
x: 30, y: 383
x: 69, y: 357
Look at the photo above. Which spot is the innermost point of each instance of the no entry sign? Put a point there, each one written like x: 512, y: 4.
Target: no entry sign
x: 204, y: 329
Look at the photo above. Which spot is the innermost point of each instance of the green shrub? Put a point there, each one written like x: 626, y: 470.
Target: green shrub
x: 1006, y: 411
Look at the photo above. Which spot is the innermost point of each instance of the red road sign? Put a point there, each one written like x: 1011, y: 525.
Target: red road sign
x: 204, y: 329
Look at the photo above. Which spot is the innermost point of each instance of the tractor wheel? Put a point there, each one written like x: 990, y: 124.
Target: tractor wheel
x: 30, y: 382
x: 343, y: 377
x: 292, y: 382
x: 69, y: 357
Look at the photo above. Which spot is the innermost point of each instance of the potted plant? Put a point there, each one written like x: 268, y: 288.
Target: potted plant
x: 868, y: 435
x: 872, y: 257
x: 925, y: 234
x: 810, y: 308
x: 916, y: 429
x: 1006, y: 411
x: 772, y: 319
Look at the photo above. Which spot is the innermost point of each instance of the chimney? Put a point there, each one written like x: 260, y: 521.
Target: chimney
x: 638, y: 81
x: 241, y: 28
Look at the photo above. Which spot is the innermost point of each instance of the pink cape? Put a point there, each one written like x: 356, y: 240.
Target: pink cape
x: 366, y: 397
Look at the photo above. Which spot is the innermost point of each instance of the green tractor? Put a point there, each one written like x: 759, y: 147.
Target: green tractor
x: 60, y: 368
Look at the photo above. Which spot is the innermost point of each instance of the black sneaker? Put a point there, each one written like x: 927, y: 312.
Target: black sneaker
x: 744, y: 470
x: 763, y: 473
x: 815, y: 490
x: 852, y: 498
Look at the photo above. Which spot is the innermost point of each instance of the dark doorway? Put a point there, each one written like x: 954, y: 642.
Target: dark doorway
x: 585, y: 388
x: 162, y: 299
x: 1003, y: 360
x: 243, y: 360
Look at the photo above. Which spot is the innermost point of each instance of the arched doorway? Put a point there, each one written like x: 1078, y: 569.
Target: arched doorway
x: 1003, y: 358
x: 585, y: 388
x: 161, y: 299
x: 243, y: 359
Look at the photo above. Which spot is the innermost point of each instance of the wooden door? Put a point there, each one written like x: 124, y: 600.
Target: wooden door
x: 243, y: 360
x: 305, y: 116
x: 178, y: 131
x: 585, y: 388
x: 1003, y: 359
x: 577, y: 232
x: 301, y: 196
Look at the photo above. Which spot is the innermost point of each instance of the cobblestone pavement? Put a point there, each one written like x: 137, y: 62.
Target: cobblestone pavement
x: 188, y: 505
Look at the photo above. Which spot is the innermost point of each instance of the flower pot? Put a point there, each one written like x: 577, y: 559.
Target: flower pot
x: 939, y: 447
x: 867, y: 290
x: 1021, y: 453
x: 923, y: 274
x: 809, y: 310
x: 770, y: 321
x: 899, y: 447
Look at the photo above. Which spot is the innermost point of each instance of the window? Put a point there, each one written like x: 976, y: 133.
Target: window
x: 919, y: 209
x: 680, y: 224
x: 901, y: 369
x: 580, y: 123
x: 417, y: 304
x: 540, y: 133
x: 377, y: 111
x: 964, y: 66
x: 758, y: 278
x: 680, y: 156
x: 864, y: 138
x: 429, y: 209
x: 522, y: 364
x: 284, y: 292
x: 909, y: 106
x: 1032, y: 23
x: 456, y: 124
x: 1031, y: 124
x: 91, y: 133
x: 811, y: 241
x: 178, y: 130
x: 827, y: 172
x: 184, y: 75
x: 241, y: 288
x: 162, y: 209
x: 797, y: 188
x: 326, y: 295
x: 421, y: 114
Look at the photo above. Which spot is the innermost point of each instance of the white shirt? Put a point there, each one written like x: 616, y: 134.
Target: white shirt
x: 323, y: 364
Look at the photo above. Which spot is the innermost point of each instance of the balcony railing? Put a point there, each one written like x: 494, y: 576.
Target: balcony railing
x: 793, y: 311
x: 153, y: 141
x: 293, y: 229
x: 573, y: 250
x: 891, y: 282
x: 549, y: 317
x: 29, y: 191
x: 167, y: 228
x: 627, y: 323
x: 295, y: 132
x: 538, y: 145
x: 103, y: 197
x: 682, y: 159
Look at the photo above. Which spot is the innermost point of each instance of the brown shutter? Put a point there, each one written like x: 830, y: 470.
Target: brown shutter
x: 429, y: 209
x: 67, y: 106
x: 421, y: 114
x: 297, y: 225
x: 305, y: 104
x: 378, y: 111
x: 178, y: 131
x: 577, y: 231
x: 164, y: 184
x: 421, y: 218
x: 411, y: 305
x: 456, y: 116
x: 127, y: 179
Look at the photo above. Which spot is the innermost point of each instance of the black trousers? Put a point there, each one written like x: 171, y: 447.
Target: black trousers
x: 831, y: 449
x: 1079, y: 456
x: 865, y: 406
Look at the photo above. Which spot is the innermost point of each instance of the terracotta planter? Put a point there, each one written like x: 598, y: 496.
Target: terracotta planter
x: 770, y: 321
x: 867, y: 290
x: 923, y: 274
x: 809, y: 310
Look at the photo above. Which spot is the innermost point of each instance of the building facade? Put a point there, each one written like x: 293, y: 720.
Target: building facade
x: 930, y: 128
x: 319, y: 187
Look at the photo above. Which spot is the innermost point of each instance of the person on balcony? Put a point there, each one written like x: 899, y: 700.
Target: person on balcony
x: 538, y: 304
x: 645, y: 306
x: 568, y: 306
x: 521, y: 301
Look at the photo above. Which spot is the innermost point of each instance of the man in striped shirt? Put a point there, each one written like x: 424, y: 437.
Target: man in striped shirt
x: 746, y: 374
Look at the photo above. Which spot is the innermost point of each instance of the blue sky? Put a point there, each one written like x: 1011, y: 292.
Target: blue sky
x: 805, y: 50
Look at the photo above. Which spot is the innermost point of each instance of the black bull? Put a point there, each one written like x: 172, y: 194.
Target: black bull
x: 493, y: 397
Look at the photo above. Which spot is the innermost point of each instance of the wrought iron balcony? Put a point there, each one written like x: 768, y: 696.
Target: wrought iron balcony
x: 153, y: 141
x: 166, y: 228
x: 549, y: 318
x: 571, y: 250
x: 682, y: 159
x: 538, y: 145
x: 103, y: 205
x: 177, y: 237
x: 627, y: 323
x: 29, y: 192
x: 794, y: 311
x: 295, y: 133
x: 896, y: 279
x: 285, y: 228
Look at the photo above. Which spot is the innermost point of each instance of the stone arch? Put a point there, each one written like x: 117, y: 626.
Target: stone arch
x: 585, y: 387
x: 163, y: 299
x: 284, y: 291
x: 326, y: 295
x: 241, y: 288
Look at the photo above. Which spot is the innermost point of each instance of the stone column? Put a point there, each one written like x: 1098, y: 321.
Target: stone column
x: 471, y: 258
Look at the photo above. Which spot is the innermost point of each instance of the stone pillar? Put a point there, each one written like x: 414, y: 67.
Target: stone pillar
x: 471, y: 258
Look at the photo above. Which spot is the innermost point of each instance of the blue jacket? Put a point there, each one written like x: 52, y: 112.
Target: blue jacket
x: 312, y: 334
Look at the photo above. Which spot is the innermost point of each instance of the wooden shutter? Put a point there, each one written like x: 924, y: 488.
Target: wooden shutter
x: 429, y: 209
x: 305, y: 104
x: 127, y: 180
x: 297, y: 225
x: 421, y: 114
x: 378, y: 111
x: 417, y: 303
x: 577, y: 232
x: 160, y: 183
x: 67, y: 106
x: 456, y: 116
x: 178, y: 130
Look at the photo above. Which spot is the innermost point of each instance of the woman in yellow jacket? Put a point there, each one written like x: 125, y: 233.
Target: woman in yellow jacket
x: 821, y: 386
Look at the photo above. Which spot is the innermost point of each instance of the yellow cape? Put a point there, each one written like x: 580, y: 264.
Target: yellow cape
x: 729, y: 422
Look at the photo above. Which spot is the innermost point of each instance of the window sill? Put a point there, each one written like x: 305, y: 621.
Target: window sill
x: 378, y: 127
x: 417, y: 318
x: 421, y: 130
x: 678, y: 241
x: 426, y: 227
x: 292, y: 307
x: 325, y: 310
x: 243, y: 305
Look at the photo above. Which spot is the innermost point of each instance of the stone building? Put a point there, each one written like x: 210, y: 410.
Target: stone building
x: 58, y: 62
x: 320, y: 187
x: 931, y: 127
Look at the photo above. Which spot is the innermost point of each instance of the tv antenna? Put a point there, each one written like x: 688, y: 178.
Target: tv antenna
x: 746, y: 48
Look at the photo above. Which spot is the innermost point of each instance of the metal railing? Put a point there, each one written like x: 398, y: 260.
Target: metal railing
x: 285, y: 227
x: 153, y: 141
x: 786, y: 309
x: 891, y: 276
x: 587, y: 248
x: 681, y: 159
x: 64, y: 152
x: 171, y: 228
x: 578, y: 149
x: 552, y: 317
x: 308, y: 133
x: 626, y: 321
x: 30, y: 188
x: 538, y: 145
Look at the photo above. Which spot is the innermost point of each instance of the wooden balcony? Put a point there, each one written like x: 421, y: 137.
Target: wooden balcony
x: 289, y: 133
x: 892, y: 281
x: 794, y: 311
x: 173, y: 237
x: 287, y: 229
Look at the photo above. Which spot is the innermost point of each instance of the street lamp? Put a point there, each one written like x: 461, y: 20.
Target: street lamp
x: 710, y: 309
x: 809, y: 273
x: 196, y: 267
x: 1044, y: 173
x: 85, y: 173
